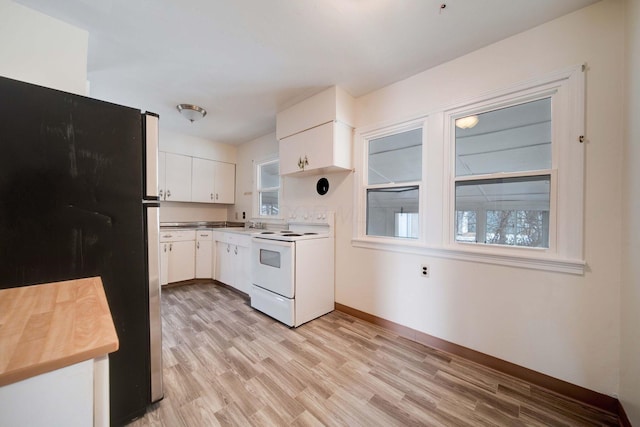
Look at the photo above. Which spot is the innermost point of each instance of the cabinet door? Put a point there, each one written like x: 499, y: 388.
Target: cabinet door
x: 203, y: 181
x: 225, y: 270
x: 182, y: 265
x: 290, y: 152
x: 315, y: 145
x: 162, y: 170
x: 242, y: 268
x: 178, y: 178
x: 204, y: 253
x: 225, y: 183
x: 164, y: 263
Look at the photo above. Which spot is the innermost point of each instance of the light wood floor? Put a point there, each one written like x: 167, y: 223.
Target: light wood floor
x: 226, y: 364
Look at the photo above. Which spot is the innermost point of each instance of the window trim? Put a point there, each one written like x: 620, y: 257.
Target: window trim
x: 566, y: 249
x: 257, y: 189
x: 566, y: 89
x: 362, y: 153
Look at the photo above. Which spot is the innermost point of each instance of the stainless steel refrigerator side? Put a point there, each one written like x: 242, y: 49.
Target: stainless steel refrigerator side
x: 155, y: 320
x: 152, y: 209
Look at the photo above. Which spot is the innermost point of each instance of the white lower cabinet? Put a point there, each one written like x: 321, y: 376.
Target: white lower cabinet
x: 204, y: 254
x: 77, y: 395
x: 233, y: 260
x: 178, y: 255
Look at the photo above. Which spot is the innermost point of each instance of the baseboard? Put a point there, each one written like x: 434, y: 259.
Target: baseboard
x: 623, y: 419
x: 581, y: 394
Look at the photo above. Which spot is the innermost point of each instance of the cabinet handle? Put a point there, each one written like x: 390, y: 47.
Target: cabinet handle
x: 198, y: 245
x: 228, y: 248
x: 165, y: 248
x: 170, y: 246
x: 216, y: 196
x: 211, y: 196
x: 168, y: 193
x: 303, y: 162
x: 160, y: 193
x: 235, y: 251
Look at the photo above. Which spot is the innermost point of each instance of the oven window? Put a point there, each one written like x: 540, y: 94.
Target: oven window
x: 270, y: 258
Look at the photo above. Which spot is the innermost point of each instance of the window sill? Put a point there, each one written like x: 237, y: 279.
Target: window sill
x: 546, y: 263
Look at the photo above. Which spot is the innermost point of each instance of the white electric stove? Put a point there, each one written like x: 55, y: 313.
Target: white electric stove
x: 293, y: 270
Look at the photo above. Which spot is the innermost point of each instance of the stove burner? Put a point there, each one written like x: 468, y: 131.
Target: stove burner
x: 292, y: 235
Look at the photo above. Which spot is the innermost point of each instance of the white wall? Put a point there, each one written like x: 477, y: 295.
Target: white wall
x: 248, y: 153
x: 630, y: 313
x: 173, y: 142
x: 562, y: 325
x: 38, y: 49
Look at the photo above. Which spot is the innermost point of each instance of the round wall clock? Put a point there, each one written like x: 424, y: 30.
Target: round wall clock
x: 322, y: 186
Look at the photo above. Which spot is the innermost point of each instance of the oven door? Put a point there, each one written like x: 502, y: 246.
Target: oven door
x: 273, y: 266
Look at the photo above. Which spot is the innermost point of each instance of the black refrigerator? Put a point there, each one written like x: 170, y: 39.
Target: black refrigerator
x: 78, y: 198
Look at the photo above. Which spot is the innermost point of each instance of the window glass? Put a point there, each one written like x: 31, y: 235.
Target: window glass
x: 516, y: 138
x: 395, y: 158
x: 393, y: 212
x: 269, y: 203
x: 504, y: 211
x: 268, y: 188
x: 270, y: 175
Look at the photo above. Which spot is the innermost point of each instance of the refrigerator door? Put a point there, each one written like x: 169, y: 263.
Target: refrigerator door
x: 155, y: 320
x: 151, y: 138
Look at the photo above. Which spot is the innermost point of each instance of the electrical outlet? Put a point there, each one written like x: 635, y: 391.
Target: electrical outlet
x: 424, y: 270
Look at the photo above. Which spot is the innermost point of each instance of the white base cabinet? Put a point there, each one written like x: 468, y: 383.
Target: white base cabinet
x: 77, y: 395
x: 204, y: 254
x: 178, y: 255
x: 233, y: 260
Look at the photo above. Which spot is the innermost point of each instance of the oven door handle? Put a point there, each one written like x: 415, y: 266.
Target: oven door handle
x: 270, y: 242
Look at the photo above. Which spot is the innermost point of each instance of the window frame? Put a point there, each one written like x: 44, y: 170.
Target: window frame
x: 566, y: 90
x: 258, y: 189
x: 363, y: 188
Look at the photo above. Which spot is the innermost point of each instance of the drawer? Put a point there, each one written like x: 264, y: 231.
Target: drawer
x: 177, y: 235
x: 274, y: 305
x: 204, y: 235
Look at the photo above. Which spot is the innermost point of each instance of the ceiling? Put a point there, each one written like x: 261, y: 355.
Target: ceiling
x: 244, y: 60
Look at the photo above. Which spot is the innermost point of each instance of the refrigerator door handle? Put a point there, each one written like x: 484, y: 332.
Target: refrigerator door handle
x: 151, y: 138
x: 155, y: 320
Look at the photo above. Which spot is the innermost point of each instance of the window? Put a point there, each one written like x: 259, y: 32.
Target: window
x: 394, y: 174
x: 495, y: 179
x: 268, y: 188
x: 503, y: 175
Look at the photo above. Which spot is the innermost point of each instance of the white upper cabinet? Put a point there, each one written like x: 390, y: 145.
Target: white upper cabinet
x: 316, y: 134
x: 162, y: 178
x: 203, y: 181
x: 321, y: 149
x: 225, y: 183
x: 192, y: 179
x: 177, y: 178
x: 213, y: 182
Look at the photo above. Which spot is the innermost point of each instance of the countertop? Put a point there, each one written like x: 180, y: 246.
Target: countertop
x: 51, y: 326
x: 202, y: 224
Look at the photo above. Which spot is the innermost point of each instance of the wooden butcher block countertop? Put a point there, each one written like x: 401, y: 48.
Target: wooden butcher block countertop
x: 51, y: 326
